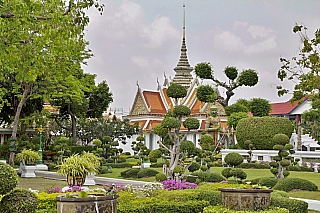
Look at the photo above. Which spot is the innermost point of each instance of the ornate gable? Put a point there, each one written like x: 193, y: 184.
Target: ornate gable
x: 139, y: 106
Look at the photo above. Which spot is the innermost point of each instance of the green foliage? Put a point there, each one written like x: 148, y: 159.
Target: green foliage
x: 248, y: 77
x: 146, y: 172
x: 160, y: 130
x: 231, y: 72
x: 176, y: 91
x: 208, y: 177
x: 187, y: 147
x: 160, y: 177
x: 294, y: 206
x: 233, y: 159
x: 156, y: 153
x: 194, y: 167
x: 181, y: 110
x: 238, y: 173
x: 213, y: 197
x: 206, y: 139
x: 223, y: 209
x: 235, y: 117
x: 28, y: 156
x: 130, y: 173
x: 261, y: 130
x: 178, y: 169
x: 204, y: 70
x: 226, y: 172
x: 256, y: 165
x: 206, y: 93
x: 47, y: 201
x: 19, y: 200
x: 8, y: 178
x: 170, y: 122
x: 289, y: 184
x: 281, y: 139
x: 268, y: 182
x: 235, y: 108
x: 260, y: 107
x: 191, y: 123
x: 278, y: 193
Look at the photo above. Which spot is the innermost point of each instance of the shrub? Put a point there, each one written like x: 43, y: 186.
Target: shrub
x: 19, y: 200
x: 233, y: 159
x: 294, y: 168
x: 260, y: 130
x: 157, y: 165
x: 146, y: 173
x: 52, y: 167
x: 289, y: 184
x: 268, y: 182
x: 130, y: 173
x: 194, y: 167
x: 161, y: 177
x: 306, y: 169
x: 223, y: 209
x: 213, y: 197
x: 238, y: 173
x: 208, y: 177
x: 191, y: 178
x: 294, y: 206
x: 254, y: 166
x: 47, y: 201
x: 226, y: 172
x: 118, y: 165
x: 8, y: 177
x: 277, y: 193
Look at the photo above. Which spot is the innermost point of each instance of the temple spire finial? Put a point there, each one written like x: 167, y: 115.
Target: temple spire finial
x: 184, y: 22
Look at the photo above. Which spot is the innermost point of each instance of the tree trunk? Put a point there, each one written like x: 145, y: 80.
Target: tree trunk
x: 16, y: 123
x: 74, y: 126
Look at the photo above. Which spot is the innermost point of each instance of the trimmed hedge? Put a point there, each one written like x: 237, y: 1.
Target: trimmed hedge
x: 222, y: 209
x: 118, y: 165
x: 213, y: 197
x: 147, y: 173
x: 208, y: 177
x: 268, y: 182
x: 160, y: 206
x: 294, y: 206
x: 130, y: 173
x: 260, y: 130
x: 8, y: 178
x: 288, y: 184
x: 254, y: 166
x: 47, y: 201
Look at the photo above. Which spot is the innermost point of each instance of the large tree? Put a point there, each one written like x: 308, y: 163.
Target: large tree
x: 42, y: 46
x: 247, y: 77
x: 304, y: 71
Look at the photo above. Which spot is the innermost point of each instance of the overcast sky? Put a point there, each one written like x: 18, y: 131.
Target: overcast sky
x: 140, y: 40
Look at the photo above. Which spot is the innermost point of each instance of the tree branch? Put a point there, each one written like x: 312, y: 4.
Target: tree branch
x: 166, y: 148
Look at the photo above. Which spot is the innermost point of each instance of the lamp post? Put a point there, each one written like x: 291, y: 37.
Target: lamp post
x: 40, y: 130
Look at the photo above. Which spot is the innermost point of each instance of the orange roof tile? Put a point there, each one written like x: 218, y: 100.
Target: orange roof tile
x: 196, y: 107
x: 154, y: 101
x: 168, y: 100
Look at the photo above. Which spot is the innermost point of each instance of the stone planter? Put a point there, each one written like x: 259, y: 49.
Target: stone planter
x: 90, y: 180
x: 245, y: 199
x: 96, y: 203
x: 28, y: 171
x: 75, y: 180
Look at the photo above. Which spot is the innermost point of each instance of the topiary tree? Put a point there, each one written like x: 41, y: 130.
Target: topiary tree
x: 19, y: 200
x: 233, y: 159
x: 236, y: 107
x: 154, y: 155
x: 172, y: 123
x: 8, y: 177
x: 140, y: 149
x: 204, y: 70
x: 260, y: 130
x: 282, y: 160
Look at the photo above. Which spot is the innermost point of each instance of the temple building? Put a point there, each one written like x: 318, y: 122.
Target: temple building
x: 150, y: 106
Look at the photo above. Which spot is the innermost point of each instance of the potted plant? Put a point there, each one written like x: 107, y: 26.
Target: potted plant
x: 76, y: 168
x: 28, y: 160
x: 96, y: 161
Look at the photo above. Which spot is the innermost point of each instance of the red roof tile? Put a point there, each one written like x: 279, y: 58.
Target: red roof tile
x: 154, y: 101
x: 283, y: 108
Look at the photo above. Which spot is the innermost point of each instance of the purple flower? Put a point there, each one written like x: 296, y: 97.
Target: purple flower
x: 178, y: 185
x: 54, y: 190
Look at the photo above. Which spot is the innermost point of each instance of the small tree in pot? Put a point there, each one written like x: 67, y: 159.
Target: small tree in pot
x: 77, y: 167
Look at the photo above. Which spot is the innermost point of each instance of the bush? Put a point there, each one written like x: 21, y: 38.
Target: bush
x: 118, y: 165
x: 8, y: 177
x: 208, y: 177
x: 213, y: 197
x: 294, y: 206
x: 104, y: 170
x: 238, y: 173
x: 191, y: 178
x: 306, y: 169
x: 260, y: 130
x: 294, y: 168
x: 226, y: 172
x: 19, y: 201
x: 47, y: 201
x: 223, y: 209
x: 130, y: 173
x: 194, y: 167
x: 147, y: 173
x: 277, y: 193
x: 80, y: 149
x: 289, y: 184
x: 233, y: 159
x: 161, y: 177
x: 268, y: 182
x: 254, y: 166
x: 52, y: 167
x: 157, y: 165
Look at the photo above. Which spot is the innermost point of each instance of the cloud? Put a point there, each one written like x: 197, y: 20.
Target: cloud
x: 259, y: 31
